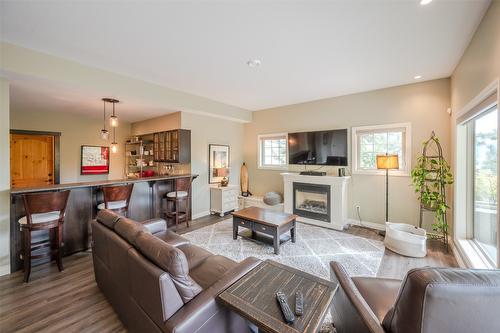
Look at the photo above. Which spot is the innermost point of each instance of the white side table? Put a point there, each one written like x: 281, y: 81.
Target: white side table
x: 223, y: 199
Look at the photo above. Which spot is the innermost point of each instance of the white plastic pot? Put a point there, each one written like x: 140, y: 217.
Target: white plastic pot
x: 406, y: 239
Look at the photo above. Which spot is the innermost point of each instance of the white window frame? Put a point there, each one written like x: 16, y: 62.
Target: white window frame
x: 404, y: 172
x: 259, y: 151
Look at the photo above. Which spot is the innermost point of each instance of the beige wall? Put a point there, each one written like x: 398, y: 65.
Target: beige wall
x: 159, y: 124
x: 76, y: 130
x: 4, y: 179
x: 204, y: 131
x: 423, y: 104
x: 480, y: 64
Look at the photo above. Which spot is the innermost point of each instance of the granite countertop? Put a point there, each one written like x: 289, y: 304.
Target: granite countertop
x: 96, y: 183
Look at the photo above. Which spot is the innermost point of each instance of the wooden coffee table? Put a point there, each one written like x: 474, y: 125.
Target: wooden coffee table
x: 254, y: 298
x: 267, y: 222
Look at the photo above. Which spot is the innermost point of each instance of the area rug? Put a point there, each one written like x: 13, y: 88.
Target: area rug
x: 315, y: 247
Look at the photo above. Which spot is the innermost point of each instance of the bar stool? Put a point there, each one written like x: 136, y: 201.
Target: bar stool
x: 44, y: 211
x: 117, y: 198
x: 180, y: 196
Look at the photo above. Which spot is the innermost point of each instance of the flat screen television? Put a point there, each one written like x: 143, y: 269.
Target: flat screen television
x: 318, y: 148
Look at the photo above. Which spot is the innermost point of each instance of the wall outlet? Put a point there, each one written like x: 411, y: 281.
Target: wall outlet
x: 358, y: 208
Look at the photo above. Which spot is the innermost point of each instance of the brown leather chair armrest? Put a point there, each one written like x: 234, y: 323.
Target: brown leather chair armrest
x: 204, y: 306
x: 350, y: 312
x: 155, y: 225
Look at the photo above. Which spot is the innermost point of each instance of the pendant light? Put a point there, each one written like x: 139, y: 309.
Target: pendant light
x: 113, y: 120
x: 104, y: 131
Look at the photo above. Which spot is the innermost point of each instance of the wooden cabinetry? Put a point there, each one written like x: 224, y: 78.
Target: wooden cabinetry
x: 172, y: 146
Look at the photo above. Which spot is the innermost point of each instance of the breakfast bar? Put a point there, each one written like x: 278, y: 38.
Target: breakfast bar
x: 145, y: 203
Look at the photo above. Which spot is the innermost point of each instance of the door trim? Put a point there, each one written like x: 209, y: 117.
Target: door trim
x: 57, y: 147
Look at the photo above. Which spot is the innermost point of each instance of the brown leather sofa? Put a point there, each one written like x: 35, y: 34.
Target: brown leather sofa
x: 428, y: 300
x: 157, y: 282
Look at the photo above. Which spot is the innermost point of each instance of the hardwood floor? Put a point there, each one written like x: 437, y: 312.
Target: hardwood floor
x: 70, y: 301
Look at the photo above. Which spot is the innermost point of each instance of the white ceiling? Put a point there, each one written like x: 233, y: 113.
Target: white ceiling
x: 309, y: 49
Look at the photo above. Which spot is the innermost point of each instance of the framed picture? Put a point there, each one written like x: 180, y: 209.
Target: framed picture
x: 95, y: 160
x: 218, y: 158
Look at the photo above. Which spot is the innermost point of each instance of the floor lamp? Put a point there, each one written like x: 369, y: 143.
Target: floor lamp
x: 387, y: 162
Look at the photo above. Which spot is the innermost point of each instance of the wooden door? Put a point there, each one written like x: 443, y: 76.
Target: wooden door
x: 31, y: 160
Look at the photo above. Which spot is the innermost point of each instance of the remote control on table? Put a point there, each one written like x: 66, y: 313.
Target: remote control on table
x: 285, y: 308
x: 299, y: 303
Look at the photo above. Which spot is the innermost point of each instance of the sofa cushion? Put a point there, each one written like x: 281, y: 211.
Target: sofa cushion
x: 195, y: 255
x: 171, y: 238
x: 129, y: 229
x: 171, y: 260
x: 108, y: 218
x: 380, y: 294
x: 211, y: 270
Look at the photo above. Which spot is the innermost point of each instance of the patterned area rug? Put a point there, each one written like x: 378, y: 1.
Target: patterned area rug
x: 314, y: 249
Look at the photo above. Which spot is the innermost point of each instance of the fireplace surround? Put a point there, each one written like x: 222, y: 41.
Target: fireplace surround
x: 312, y: 198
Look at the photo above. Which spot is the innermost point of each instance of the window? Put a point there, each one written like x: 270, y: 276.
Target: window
x: 484, y: 134
x: 370, y: 141
x: 272, y: 151
x: 475, y: 208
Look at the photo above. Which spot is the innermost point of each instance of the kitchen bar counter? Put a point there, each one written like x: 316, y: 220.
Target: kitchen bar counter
x: 145, y: 203
x: 69, y: 186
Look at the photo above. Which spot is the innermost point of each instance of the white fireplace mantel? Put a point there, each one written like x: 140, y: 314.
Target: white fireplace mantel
x: 338, y: 197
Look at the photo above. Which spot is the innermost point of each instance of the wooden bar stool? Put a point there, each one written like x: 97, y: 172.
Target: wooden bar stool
x: 44, y: 211
x: 117, y: 198
x: 178, y: 201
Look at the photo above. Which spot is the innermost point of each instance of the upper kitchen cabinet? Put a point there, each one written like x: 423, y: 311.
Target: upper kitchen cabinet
x: 172, y: 146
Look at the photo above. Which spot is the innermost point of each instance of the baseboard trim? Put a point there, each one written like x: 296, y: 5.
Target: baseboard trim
x: 371, y: 225
x: 198, y: 215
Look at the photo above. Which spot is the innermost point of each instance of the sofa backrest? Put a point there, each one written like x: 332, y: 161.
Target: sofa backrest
x: 446, y: 300
x: 171, y: 260
x: 133, y: 265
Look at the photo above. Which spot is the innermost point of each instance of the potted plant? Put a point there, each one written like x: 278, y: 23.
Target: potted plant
x: 430, y: 176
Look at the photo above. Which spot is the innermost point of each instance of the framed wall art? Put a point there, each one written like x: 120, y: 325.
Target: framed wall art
x: 94, y: 160
x: 218, y: 159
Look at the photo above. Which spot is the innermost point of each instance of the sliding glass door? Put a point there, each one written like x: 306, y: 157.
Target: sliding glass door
x: 485, y: 152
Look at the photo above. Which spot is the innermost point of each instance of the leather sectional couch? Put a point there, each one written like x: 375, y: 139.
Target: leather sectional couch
x: 428, y: 300
x: 158, y: 282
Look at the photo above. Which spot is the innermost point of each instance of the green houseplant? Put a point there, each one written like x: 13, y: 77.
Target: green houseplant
x: 430, y: 176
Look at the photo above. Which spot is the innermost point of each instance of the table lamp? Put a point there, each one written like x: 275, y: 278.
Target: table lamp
x: 222, y: 172
x: 387, y: 162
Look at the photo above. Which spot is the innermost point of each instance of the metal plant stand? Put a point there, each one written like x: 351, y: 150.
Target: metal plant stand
x: 432, y: 150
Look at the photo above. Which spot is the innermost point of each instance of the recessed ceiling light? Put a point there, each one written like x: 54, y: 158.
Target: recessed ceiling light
x: 417, y: 77
x: 254, y: 63
x: 425, y: 2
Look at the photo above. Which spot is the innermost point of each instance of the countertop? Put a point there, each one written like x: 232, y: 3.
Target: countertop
x: 96, y: 183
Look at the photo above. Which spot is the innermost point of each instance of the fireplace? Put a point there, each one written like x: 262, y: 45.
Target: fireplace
x: 312, y: 201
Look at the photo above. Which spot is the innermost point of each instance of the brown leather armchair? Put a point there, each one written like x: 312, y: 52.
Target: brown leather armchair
x: 158, y: 282
x: 428, y: 300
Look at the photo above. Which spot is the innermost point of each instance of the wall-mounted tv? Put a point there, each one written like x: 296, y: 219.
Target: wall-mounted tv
x: 318, y: 148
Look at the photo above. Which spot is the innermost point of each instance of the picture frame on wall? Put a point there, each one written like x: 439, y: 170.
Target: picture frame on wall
x: 218, y: 156
x: 94, y: 160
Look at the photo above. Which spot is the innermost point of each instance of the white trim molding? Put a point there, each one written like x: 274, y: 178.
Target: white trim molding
x: 407, y: 142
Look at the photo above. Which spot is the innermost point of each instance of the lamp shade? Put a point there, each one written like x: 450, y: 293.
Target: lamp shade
x: 387, y: 162
x: 221, y: 172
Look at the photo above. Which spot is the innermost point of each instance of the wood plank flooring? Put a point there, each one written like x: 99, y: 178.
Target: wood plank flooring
x: 71, y: 301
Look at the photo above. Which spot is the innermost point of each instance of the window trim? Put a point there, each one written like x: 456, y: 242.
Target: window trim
x: 261, y: 137
x: 382, y: 128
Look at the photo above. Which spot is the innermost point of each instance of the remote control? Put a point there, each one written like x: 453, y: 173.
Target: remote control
x: 285, y: 308
x: 299, y: 303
